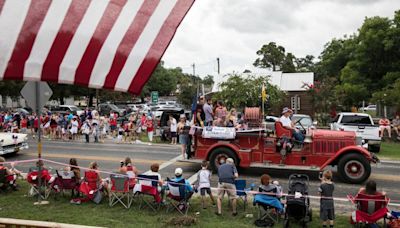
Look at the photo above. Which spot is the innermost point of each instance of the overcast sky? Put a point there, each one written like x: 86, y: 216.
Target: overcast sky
x: 234, y: 30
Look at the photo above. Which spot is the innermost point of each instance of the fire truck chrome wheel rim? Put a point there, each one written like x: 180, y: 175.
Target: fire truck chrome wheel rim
x: 354, y: 169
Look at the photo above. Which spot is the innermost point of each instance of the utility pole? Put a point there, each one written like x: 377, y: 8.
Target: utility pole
x: 218, y: 65
x: 194, y: 69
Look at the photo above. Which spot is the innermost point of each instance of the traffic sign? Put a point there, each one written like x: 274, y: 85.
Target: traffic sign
x: 36, y: 94
x: 154, y: 97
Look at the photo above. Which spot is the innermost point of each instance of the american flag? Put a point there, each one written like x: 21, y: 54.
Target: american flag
x: 111, y: 44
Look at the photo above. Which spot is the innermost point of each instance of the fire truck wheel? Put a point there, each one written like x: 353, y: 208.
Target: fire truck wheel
x: 221, y: 153
x: 354, y: 168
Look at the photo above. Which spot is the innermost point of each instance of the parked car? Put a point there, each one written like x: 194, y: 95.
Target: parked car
x: 23, y: 111
x: 12, y: 143
x: 362, y: 124
x: 164, y: 118
x: 270, y: 122
x: 137, y: 107
x: 368, y: 108
x: 106, y: 108
x: 63, y: 109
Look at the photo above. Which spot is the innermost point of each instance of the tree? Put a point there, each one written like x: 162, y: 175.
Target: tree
x: 305, y: 64
x: 271, y: 55
x: 288, y: 63
x: 241, y: 92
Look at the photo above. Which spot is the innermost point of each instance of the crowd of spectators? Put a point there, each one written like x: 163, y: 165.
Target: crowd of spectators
x: 89, y: 124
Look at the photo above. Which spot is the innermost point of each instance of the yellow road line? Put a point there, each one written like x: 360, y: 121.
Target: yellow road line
x: 99, y: 158
x: 95, y: 158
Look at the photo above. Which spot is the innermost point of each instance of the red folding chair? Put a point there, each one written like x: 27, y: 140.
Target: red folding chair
x: 33, y: 179
x: 65, y: 180
x: 90, y: 186
x: 120, y: 190
x: 369, y: 208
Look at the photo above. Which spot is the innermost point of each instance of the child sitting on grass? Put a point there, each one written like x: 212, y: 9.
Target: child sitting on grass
x: 204, y: 179
x: 327, y: 209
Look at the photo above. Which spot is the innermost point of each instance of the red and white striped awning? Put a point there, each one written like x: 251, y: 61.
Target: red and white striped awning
x: 112, y: 44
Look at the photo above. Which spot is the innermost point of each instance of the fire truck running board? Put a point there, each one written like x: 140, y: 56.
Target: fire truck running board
x: 278, y: 166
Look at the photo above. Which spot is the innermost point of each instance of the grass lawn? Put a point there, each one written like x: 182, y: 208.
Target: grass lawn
x: 389, y: 151
x: 18, y: 205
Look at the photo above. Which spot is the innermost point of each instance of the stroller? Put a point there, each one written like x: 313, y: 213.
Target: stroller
x: 297, y: 201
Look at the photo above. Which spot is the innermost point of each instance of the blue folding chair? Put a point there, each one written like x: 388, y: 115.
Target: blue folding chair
x: 241, y: 191
x: 177, y: 196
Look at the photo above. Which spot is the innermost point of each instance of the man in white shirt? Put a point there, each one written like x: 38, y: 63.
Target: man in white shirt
x: 287, y: 123
x: 173, y: 129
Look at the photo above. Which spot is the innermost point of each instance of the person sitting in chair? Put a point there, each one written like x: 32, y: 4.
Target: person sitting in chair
x: 188, y: 186
x: 288, y: 124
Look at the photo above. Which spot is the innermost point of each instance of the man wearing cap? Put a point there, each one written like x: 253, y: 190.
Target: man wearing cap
x: 188, y: 186
x: 287, y: 123
x: 227, y: 173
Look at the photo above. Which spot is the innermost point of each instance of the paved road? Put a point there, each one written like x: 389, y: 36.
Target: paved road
x: 109, y: 154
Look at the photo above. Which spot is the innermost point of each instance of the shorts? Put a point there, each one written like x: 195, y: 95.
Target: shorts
x: 204, y: 190
x: 113, y: 127
x: 327, y: 214
x: 183, y: 139
x: 173, y: 134
x: 230, y: 189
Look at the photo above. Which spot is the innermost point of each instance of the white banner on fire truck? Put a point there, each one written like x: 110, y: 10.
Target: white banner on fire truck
x: 219, y: 132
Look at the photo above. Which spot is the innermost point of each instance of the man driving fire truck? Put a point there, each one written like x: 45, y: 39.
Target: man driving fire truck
x: 287, y: 123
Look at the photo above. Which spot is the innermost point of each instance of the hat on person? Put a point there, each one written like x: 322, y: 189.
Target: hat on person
x: 286, y: 109
x: 229, y: 161
x: 178, y: 171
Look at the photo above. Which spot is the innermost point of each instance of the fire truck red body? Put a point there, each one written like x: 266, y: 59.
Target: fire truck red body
x: 322, y: 149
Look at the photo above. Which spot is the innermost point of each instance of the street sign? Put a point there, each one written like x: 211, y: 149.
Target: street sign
x: 36, y: 97
x: 154, y: 97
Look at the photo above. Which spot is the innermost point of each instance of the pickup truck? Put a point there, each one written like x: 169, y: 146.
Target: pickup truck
x: 362, y: 124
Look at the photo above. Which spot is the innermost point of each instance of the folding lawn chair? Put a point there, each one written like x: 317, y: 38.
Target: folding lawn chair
x: 120, y: 191
x: 178, y: 197
x: 241, y: 191
x: 33, y: 179
x: 65, y: 180
x: 147, y: 186
x: 369, y: 209
x: 269, y: 207
x: 4, y: 183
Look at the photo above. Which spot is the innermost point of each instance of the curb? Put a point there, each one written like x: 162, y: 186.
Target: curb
x: 33, y: 223
x: 389, y: 162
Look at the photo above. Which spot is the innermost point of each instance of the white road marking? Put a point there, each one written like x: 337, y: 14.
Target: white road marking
x: 166, y: 164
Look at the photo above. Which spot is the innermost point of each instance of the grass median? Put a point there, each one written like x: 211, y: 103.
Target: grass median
x: 18, y: 205
x: 389, y: 151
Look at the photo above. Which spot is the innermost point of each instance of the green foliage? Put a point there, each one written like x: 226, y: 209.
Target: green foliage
x: 366, y: 65
x: 241, y: 92
x: 271, y: 56
x: 288, y: 65
x: 274, y: 57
